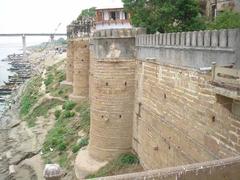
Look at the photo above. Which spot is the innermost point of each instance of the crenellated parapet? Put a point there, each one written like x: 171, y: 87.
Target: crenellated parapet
x: 221, y: 46
x: 196, y: 39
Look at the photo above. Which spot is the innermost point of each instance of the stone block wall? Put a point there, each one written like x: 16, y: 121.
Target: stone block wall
x: 178, y: 117
x: 81, y: 69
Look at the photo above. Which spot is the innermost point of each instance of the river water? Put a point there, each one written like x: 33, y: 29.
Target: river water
x: 10, y: 45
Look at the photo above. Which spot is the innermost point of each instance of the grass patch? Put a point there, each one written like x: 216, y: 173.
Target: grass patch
x: 41, y: 110
x: 57, y: 114
x: 69, y: 105
x: 49, y: 80
x: 83, y: 142
x: 68, y: 114
x: 30, y: 96
x: 84, y: 111
x: 121, y: 164
x: 62, y: 141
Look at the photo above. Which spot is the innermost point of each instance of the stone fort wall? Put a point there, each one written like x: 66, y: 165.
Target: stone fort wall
x: 154, y: 94
x: 179, y: 118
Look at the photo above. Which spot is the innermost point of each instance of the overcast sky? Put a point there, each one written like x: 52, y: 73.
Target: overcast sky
x: 36, y: 16
x: 42, y: 16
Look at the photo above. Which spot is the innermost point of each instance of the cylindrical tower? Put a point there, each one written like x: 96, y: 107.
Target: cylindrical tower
x: 80, y: 70
x: 112, y: 93
x: 70, y: 55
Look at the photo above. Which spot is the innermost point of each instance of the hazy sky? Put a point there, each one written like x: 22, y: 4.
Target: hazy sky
x: 36, y: 16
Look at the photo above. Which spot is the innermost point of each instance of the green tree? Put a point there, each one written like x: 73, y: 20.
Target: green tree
x: 165, y: 15
x: 87, y: 13
x: 227, y: 19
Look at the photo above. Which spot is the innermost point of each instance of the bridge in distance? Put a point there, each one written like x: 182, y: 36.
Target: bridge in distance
x: 24, y: 35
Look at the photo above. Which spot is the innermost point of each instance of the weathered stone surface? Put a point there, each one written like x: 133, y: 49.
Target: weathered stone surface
x: 180, y: 115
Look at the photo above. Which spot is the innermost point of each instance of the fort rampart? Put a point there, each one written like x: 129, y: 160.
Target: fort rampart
x: 157, y: 95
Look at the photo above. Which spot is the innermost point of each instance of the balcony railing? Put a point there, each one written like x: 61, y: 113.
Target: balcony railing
x: 117, y: 21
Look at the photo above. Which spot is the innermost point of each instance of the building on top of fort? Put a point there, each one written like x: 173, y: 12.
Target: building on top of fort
x: 112, y: 18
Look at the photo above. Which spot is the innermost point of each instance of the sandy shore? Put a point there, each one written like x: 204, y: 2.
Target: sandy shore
x: 20, y: 146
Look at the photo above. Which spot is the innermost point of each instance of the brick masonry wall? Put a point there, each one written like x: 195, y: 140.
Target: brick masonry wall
x: 178, y: 119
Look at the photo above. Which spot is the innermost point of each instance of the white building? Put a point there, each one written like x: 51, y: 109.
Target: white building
x: 112, y: 18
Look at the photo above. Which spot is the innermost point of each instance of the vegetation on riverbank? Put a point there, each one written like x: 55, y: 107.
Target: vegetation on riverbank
x: 72, y: 122
x: 63, y: 141
x: 31, y: 95
x: 54, y: 76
